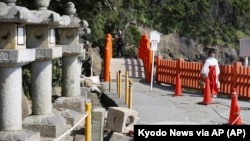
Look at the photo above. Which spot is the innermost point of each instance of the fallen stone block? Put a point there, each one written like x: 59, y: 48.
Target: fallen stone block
x: 121, y: 119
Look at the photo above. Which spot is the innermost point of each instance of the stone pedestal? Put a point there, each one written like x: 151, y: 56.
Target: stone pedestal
x: 73, y: 103
x: 48, y: 125
x: 76, y: 103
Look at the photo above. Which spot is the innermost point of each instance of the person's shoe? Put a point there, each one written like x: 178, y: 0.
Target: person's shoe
x: 214, y: 95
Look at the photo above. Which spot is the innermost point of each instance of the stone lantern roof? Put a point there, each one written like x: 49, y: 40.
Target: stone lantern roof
x: 70, y: 10
x: 75, y: 22
x: 9, y: 12
x: 50, y: 17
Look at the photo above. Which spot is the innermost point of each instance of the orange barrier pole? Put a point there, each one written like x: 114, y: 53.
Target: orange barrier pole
x: 111, y: 49
x: 109, y: 81
x: 107, y: 57
x: 142, y: 53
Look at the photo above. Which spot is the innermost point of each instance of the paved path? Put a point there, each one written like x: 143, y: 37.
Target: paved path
x: 156, y: 104
x: 159, y: 106
x: 134, y: 67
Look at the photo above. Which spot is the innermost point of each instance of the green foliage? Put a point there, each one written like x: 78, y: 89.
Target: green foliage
x: 26, y: 74
x: 190, y: 18
x: 210, y: 21
x: 56, y: 72
x: 131, y: 39
x: 132, y: 36
x: 27, y: 77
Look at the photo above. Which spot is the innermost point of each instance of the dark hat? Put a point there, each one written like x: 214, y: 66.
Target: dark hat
x: 119, y: 28
x: 212, y: 50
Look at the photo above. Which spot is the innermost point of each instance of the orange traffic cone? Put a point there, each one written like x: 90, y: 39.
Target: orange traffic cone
x: 178, y: 89
x: 234, y: 115
x: 207, y: 99
x: 237, y: 116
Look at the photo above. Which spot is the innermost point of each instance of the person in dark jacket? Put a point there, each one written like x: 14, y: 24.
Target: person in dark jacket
x: 119, y: 42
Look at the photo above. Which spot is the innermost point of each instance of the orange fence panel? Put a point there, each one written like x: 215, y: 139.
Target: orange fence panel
x: 231, y: 76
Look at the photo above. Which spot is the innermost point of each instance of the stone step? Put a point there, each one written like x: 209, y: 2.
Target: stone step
x: 133, y: 66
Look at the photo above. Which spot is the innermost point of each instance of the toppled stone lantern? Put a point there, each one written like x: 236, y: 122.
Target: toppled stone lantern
x: 41, y: 37
x: 14, y: 55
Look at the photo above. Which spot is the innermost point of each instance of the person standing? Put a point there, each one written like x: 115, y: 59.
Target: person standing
x: 119, y: 42
x: 211, y: 70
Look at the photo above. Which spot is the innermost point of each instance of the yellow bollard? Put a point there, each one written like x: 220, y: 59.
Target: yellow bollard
x: 120, y: 95
x: 130, y: 95
x: 88, y: 122
x: 109, y: 81
x: 126, y: 88
x: 117, y: 83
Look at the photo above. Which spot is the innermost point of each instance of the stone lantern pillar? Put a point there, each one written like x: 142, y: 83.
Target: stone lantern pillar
x: 69, y: 40
x: 41, y: 37
x: 68, y: 36
x: 14, y: 55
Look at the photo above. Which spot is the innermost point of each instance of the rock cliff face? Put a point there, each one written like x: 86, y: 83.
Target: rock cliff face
x: 173, y: 46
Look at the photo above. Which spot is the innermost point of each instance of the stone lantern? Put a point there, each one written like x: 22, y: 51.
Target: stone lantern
x: 14, y: 55
x: 68, y: 39
x: 68, y: 36
x: 41, y: 37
